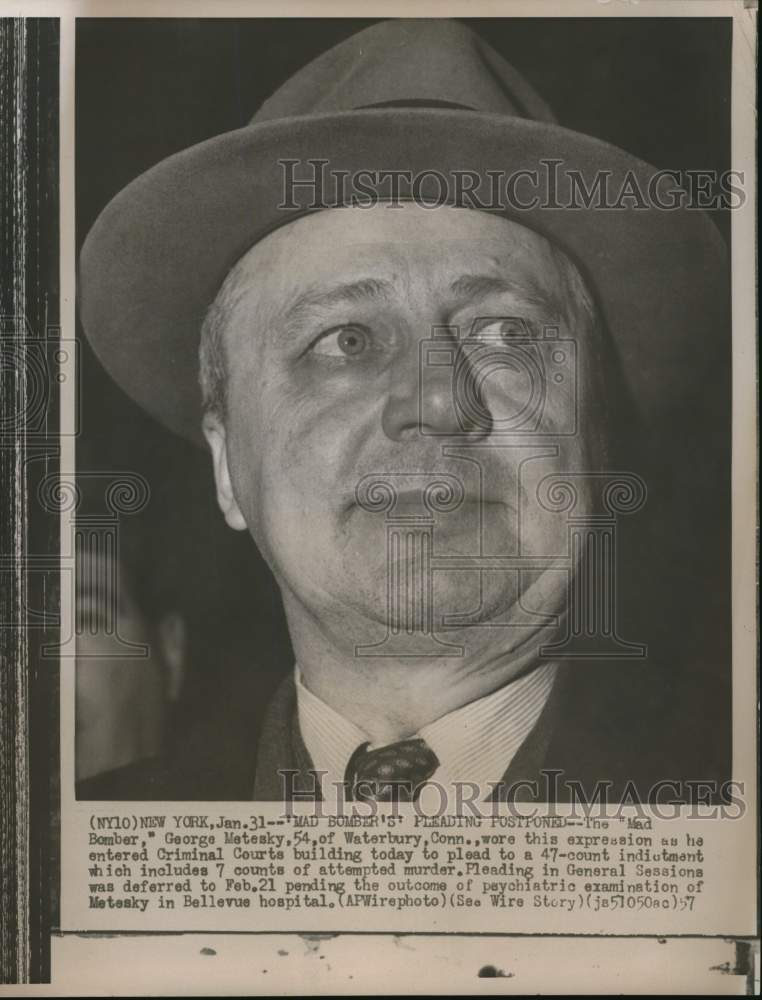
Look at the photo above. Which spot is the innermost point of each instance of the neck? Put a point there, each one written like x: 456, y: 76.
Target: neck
x: 393, y: 698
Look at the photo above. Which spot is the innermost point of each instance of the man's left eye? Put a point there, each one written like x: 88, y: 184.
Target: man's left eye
x: 343, y: 342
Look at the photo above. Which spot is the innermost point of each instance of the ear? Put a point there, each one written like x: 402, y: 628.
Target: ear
x: 214, y: 432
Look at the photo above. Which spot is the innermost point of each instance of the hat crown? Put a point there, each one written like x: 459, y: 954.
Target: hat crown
x: 407, y: 62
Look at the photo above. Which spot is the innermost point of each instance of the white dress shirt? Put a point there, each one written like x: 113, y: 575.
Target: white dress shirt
x: 474, y: 743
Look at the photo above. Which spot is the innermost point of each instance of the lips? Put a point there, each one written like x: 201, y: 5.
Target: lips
x: 426, y: 493
x: 411, y: 504
x: 412, y: 498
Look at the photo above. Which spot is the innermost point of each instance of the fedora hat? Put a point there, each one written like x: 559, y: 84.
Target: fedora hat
x: 429, y: 104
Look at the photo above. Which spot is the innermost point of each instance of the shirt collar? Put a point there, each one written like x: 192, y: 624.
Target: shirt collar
x: 476, y: 742
x: 330, y: 739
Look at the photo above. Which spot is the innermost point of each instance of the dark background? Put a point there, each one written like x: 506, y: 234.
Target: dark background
x: 658, y: 88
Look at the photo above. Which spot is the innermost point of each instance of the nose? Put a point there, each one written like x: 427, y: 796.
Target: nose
x: 421, y: 398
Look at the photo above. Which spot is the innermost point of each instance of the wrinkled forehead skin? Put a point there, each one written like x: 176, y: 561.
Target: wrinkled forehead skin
x: 418, y: 251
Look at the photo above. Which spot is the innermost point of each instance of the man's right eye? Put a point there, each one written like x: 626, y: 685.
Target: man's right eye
x: 343, y: 342
x: 505, y: 328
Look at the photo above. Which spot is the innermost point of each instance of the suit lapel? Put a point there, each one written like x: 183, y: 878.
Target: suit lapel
x: 284, y: 769
x: 525, y: 768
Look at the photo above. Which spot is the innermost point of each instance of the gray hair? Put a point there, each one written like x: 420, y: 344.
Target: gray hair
x: 212, y: 367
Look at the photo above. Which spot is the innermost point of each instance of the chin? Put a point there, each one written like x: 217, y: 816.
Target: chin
x: 473, y: 599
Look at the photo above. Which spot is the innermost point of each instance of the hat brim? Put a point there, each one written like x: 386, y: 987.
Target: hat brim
x: 158, y: 253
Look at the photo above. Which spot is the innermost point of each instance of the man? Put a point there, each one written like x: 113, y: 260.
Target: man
x: 402, y: 193
x: 123, y: 702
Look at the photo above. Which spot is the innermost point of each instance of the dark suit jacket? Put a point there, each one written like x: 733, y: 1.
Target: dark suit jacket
x: 602, y: 723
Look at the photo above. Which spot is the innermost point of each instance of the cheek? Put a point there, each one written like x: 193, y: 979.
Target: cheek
x: 291, y: 455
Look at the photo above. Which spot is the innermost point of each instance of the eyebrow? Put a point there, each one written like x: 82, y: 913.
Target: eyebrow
x: 480, y: 286
x: 362, y: 290
x: 467, y: 286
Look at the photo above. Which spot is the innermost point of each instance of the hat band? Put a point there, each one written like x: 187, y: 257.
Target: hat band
x: 415, y: 102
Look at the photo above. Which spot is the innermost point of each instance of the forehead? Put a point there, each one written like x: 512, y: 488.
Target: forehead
x: 406, y: 244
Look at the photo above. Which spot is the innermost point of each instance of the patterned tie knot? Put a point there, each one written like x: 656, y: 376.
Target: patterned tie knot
x: 394, y: 773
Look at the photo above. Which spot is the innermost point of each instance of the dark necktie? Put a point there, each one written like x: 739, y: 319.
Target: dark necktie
x: 395, y: 773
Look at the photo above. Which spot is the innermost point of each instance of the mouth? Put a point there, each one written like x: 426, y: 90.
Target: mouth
x: 424, y: 495
x: 440, y: 506
x: 416, y: 499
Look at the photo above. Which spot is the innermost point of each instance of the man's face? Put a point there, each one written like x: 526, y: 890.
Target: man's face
x: 325, y: 387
